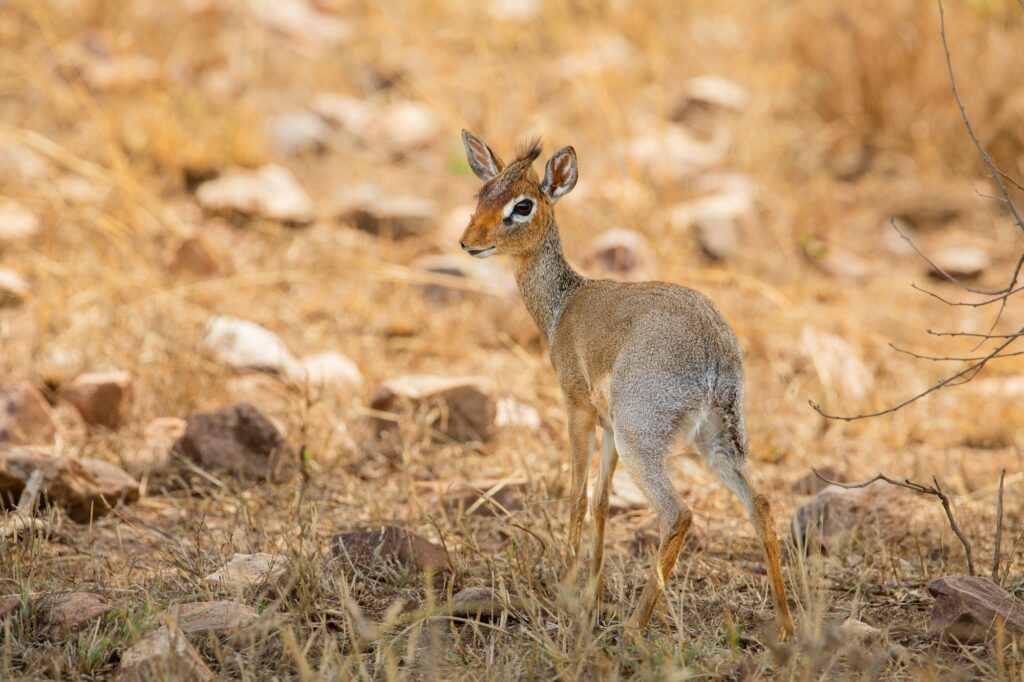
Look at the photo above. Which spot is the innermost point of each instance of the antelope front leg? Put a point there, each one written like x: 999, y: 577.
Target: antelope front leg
x: 581, y: 438
x: 602, y: 490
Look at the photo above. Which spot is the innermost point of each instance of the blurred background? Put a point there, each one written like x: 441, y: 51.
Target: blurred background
x: 170, y: 172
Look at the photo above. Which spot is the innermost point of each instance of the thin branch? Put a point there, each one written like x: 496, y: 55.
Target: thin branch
x: 935, y: 490
x: 948, y: 358
x: 971, y: 370
x: 995, y: 173
x: 939, y: 269
x: 999, y: 525
x: 975, y: 334
x: 975, y: 304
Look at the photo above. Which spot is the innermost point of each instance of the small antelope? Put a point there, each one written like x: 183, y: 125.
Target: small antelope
x: 649, y: 361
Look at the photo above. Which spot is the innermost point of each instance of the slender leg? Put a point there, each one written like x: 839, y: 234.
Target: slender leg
x: 647, y: 468
x: 737, y: 478
x: 722, y: 444
x: 581, y: 438
x: 762, y: 519
x: 674, y: 527
x: 602, y: 490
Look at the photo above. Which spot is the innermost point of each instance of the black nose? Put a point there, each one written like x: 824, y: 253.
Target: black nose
x: 463, y: 245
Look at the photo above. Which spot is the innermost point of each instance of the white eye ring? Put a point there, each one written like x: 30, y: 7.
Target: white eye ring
x: 509, y: 210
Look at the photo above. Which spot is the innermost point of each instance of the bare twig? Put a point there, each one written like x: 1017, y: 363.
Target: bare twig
x: 967, y: 373
x: 935, y: 490
x: 948, y: 358
x: 994, y: 172
x: 975, y: 334
x: 999, y: 528
x: 939, y: 269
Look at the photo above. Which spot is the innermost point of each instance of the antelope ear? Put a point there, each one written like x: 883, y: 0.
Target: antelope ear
x: 481, y: 159
x: 560, y: 175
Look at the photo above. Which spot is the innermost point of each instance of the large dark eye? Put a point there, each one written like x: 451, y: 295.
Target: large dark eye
x: 523, y: 207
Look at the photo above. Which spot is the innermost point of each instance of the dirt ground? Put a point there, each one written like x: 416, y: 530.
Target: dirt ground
x: 831, y: 122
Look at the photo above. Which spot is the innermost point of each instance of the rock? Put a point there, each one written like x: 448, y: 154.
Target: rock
x: 353, y: 115
x: 513, y: 414
x: 163, y: 654
x: 18, y: 525
x: 842, y: 264
x: 85, y: 488
x: 330, y: 369
x: 193, y: 255
x: 962, y: 263
x: 395, y: 217
x: 968, y: 609
x: 647, y: 536
x: 837, y: 363
x: 243, y: 571
x: 25, y: 416
x: 13, y: 288
x: 625, y: 494
x: 299, y: 132
x: 365, y: 550
x: 17, y: 223
x: 513, y: 11
x: 671, y: 153
x: 69, y: 613
x: 859, y: 642
x: 926, y: 205
x: 402, y: 126
x: 466, y: 405
x: 202, y: 617
x: 481, y: 603
x: 837, y: 516
x: 623, y: 254
x: 269, y: 192
x: 716, y: 91
x: 604, y: 52
x: 483, y: 274
x: 717, y: 221
x: 485, y: 497
x: 406, y: 126
x: 159, y: 438
x: 102, y: 398
x: 240, y: 440
x: 810, y: 484
x: 302, y: 22
x: 709, y: 95
x: 245, y: 345
x: 12, y: 596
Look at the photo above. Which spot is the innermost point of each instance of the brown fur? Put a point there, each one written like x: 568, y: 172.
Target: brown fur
x: 647, y: 361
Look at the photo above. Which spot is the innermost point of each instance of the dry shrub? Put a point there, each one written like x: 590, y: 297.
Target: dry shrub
x: 874, y: 81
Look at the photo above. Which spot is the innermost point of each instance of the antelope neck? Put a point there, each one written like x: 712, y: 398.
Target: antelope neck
x: 546, y: 282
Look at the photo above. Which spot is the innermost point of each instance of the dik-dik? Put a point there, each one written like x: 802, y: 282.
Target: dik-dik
x: 650, y: 362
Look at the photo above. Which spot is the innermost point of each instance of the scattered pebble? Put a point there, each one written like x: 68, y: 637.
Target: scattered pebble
x: 468, y: 404
x: 240, y: 440
x: 269, y: 192
x: 102, y: 398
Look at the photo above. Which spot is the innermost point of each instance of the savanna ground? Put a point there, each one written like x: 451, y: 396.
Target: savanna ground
x: 849, y: 122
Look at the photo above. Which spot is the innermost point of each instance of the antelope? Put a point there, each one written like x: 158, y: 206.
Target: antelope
x: 650, y: 362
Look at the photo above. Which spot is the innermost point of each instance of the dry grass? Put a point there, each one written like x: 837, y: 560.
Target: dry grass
x: 850, y: 112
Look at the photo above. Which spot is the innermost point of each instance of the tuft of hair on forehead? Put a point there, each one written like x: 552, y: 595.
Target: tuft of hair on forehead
x: 523, y: 163
x: 529, y: 151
